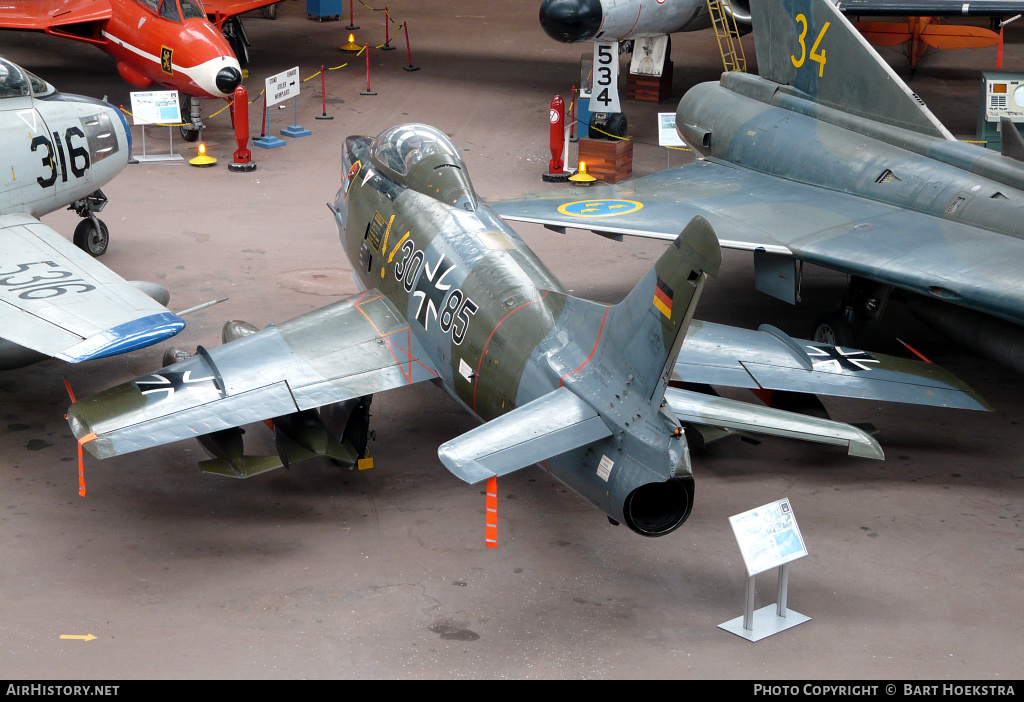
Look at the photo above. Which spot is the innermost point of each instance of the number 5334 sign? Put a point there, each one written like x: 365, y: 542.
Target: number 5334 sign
x: 605, y: 94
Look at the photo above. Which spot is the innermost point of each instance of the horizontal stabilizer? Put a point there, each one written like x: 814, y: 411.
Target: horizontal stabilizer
x: 708, y: 410
x: 548, y: 426
x: 769, y: 359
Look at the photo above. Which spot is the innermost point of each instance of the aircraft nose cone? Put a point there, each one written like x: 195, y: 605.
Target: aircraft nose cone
x: 571, y: 20
x: 228, y: 79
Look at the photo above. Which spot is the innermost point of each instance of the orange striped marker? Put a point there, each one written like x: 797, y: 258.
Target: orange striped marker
x: 84, y: 439
x: 491, y: 536
x: 81, y: 463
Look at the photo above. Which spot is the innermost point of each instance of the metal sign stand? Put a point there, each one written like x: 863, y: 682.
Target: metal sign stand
x: 768, y: 537
x: 295, y: 130
x: 157, y: 107
x: 159, y: 157
x: 761, y: 624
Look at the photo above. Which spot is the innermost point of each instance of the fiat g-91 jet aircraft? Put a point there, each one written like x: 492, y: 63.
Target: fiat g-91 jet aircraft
x: 452, y: 295
x: 57, y: 150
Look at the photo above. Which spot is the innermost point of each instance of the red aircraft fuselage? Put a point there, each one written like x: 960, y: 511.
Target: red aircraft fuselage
x: 168, y: 43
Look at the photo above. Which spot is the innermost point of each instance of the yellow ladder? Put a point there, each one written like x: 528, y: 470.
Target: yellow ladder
x: 728, y: 35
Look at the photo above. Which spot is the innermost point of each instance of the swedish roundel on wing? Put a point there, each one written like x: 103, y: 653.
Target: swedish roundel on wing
x: 600, y: 208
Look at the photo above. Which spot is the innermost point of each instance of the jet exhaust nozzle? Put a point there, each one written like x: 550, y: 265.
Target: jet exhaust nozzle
x: 656, y: 509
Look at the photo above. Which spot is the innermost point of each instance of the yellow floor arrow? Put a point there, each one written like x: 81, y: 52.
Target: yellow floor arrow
x: 86, y: 637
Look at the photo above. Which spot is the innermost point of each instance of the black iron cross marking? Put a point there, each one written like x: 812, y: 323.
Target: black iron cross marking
x: 835, y: 359
x: 431, y: 288
x: 172, y: 382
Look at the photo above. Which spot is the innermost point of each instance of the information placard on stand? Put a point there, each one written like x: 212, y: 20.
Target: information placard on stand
x: 159, y: 107
x: 768, y: 537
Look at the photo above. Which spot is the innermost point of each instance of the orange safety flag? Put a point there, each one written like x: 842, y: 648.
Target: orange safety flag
x: 491, y: 536
x: 999, y: 52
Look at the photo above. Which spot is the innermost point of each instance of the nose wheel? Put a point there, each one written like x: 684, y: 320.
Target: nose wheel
x: 91, y: 234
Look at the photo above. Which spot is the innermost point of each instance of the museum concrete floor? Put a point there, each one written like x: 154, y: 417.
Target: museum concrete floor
x: 916, y: 564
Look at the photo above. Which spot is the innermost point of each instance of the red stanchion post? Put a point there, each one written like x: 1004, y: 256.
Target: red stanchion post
x: 242, y: 162
x: 387, y: 38
x: 367, y: 91
x: 351, y: 16
x: 408, y: 49
x: 323, y: 93
x: 555, y: 173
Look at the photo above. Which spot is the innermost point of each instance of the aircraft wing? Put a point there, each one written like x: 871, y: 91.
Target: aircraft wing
x: 229, y: 8
x: 52, y: 15
x: 59, y: 301
x: 931, y: 8
x: 753, y: 211
x: 769, y: 359
x: 351, y: 348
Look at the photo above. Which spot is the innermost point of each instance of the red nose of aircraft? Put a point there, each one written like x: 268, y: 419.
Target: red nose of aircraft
x: 571, y: 20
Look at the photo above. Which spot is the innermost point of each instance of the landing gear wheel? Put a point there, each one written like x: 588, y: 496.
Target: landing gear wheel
x: 269, y: 11
x: 834, y: 329
x: 607, y: 125
x: 187, y: 131
x: 617, y: 124
x: 90, y: 238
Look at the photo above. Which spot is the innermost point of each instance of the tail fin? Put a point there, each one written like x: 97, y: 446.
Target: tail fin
x: 647, y: 328
x: 811, y: 46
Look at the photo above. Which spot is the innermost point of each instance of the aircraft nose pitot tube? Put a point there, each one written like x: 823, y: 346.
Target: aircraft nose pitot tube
x: 571, y: 20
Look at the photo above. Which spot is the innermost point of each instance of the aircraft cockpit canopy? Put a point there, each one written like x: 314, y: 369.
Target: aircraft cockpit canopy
x: 425, y: 160
x: 17, y: 82
x: 169, y: 10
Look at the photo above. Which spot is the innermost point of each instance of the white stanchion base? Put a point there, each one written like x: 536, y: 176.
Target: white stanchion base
x: 766, y: 622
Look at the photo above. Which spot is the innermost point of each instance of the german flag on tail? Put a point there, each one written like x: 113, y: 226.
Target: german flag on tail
x: 663, y: 298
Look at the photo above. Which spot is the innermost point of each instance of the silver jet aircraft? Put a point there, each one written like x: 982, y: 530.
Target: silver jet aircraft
x: 56, y: 151
x: 454, y: 296
x: 829, y: 158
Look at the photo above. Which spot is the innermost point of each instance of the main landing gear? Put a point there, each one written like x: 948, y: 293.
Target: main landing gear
x: 91, y: 234
x: 863, y: 303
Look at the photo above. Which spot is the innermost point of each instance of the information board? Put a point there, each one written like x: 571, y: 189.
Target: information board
x: 768, y: 536
x: 667, y: 134
x: 283, y: 86
x: 156, y: 107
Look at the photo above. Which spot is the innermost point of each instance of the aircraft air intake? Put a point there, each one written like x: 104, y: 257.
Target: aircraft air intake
x: 571, y: 20
x: 228, y: 79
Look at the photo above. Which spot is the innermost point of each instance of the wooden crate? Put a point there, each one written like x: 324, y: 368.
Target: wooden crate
x: 610, y: 160
x: 650, y: 88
